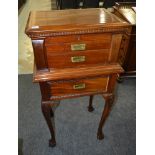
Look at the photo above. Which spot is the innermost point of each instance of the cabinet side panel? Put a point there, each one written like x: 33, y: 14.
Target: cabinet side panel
x: 40, y: 58
x: 115, y: 46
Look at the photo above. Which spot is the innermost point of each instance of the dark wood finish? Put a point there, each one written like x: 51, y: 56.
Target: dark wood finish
x: 104, y: 38
x: 57, y: 37
x: 74, y: 73
x: 90, y: 58
x: 73, y: 22
x: 47, y: 110
x: 109, y: 100
x: 90, y: 106
x: 39, y: 54
x: 127, y: 56
x: 91, y: 85
x: 66, y: 47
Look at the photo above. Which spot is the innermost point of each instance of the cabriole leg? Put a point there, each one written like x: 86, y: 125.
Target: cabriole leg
x: 48, y: 112
x: 90, y: 107
x: 109, y: 100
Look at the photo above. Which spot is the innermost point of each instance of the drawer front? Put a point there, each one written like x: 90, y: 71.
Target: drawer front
x: 77, y: 46
x: 78, y: 43
x: 76, y: 59
x: 80, y: 86
x: 74, y: 38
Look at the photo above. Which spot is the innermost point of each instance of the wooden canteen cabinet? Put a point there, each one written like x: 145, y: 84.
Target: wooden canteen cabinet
x: 76, y: 54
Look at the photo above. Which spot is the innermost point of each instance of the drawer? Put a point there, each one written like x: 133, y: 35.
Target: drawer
x: 72, y: 43
x: 78, y: 46
x: 83, y: 86
x: 74, y: 38
x: 76, y: 59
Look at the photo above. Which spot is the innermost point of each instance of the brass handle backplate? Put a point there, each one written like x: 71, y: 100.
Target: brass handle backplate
x: 79, y: 86
x: 78, y: 47
x: 78, y: 59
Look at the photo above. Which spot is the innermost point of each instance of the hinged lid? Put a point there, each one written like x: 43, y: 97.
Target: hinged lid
x: 74, y: 21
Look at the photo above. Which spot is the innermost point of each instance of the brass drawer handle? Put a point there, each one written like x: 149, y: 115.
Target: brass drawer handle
x: 78, y: 47
x: 78, y: 59
x: 79, y: 86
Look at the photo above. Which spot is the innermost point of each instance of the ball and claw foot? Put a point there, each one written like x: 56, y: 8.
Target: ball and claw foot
x: 100, y: 136
x: 90, y: 109
x: 120, y: 80
x: 52, y: 143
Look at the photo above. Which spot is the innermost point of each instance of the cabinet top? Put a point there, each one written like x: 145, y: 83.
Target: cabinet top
x: 61, y: 22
